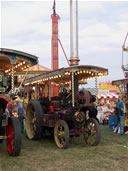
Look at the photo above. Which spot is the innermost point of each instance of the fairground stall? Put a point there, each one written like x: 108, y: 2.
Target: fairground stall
x: 69, y: 113
x: 11, y: 62
x: 123, y: 85
x: 107, y: 94
x: 104, y: 106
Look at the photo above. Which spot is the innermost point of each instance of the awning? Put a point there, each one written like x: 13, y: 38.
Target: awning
x: 119, y: 82
x: 108, y: 96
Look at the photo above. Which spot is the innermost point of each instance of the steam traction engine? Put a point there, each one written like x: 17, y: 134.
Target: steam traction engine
x: 70, y: 114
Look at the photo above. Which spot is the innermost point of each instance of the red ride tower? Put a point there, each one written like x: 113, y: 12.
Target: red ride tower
x: 55, y: 18
x: 54, y: 61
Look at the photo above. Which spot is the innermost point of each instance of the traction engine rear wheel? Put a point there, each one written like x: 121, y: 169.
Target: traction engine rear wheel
x: 33, y: 121
x: 93, y: 134
x: 13, y: 132
x: 61, y: 134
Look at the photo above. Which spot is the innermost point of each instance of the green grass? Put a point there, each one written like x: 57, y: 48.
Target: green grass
x: 111, y: 154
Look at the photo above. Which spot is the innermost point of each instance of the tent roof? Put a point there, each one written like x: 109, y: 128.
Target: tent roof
x: 37, y: 68
x: 34, y: 70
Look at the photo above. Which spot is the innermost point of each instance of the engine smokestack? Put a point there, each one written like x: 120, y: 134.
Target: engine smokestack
x: 74, y: 60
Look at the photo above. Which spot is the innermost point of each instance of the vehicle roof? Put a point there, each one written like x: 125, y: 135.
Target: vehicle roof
x: 64, y: 74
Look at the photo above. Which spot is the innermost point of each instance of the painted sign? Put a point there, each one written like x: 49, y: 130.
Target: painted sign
x: 108, y: 87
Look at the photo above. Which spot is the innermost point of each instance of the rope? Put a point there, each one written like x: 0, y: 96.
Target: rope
x: 23, y: 79
x: 64, y: 52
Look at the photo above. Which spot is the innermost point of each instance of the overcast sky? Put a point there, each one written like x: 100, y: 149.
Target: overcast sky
x: 26, y: 26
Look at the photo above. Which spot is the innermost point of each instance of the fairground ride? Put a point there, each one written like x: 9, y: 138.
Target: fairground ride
x: 123, y: 83
x: 11, y: 62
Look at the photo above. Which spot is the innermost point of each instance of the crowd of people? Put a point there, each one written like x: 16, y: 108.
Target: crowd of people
x: 115, y: 107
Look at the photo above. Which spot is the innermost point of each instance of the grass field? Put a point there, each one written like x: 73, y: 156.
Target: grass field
x: 110, y: 155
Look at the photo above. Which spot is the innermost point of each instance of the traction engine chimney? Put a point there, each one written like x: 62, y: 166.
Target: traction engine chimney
x: 74, y: 60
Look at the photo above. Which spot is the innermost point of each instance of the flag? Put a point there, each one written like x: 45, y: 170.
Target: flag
x: 54, y: 5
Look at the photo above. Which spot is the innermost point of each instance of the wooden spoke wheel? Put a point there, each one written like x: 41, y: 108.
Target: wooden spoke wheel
x: 93, y: 133
x: 61, y: 134
x: 13, y: 133
x: 33, y: 120
x: 31, y: 123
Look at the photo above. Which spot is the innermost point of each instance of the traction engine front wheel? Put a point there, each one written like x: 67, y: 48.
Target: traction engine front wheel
x: 93, y: 132
x: 13, y: 133
x: 61, y: 134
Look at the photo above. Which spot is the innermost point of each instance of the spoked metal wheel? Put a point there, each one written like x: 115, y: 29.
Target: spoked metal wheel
x: 93, y: 132
x: 61, y: 134
x: 13, y: 133
x: 33, y: 120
